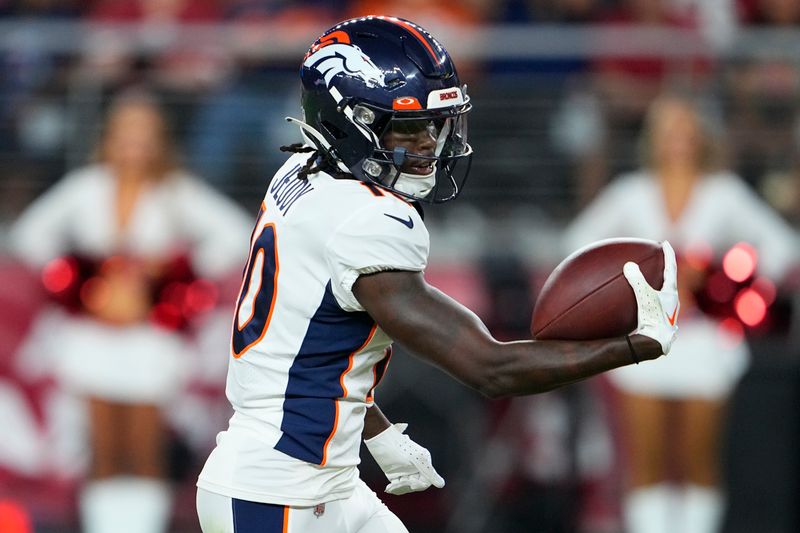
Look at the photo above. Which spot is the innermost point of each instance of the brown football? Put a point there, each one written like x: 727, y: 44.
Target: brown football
x: 588, y: 297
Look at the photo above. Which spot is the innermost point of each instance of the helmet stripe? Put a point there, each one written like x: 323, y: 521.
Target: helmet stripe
x: 411, y: 29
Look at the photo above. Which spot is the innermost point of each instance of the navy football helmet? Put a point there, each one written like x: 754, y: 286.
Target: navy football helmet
x: 381, y: 98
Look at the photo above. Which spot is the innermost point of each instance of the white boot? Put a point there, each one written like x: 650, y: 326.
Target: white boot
x: 702, y: 509
x: 125, y: 505
x: 651, y: 509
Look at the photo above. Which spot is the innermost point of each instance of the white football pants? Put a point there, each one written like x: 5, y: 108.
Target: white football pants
x: 363, y: 512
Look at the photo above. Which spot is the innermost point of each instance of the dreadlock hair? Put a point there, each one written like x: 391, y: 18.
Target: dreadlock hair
x: 322, y: 158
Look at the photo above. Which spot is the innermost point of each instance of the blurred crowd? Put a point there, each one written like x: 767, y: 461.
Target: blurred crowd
x: 228, y: 91
x: 557, y: 127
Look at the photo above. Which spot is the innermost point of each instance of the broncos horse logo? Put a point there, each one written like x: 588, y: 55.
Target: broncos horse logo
x: 340, y: 58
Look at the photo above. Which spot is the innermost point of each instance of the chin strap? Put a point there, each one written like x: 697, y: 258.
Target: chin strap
x: 416, y: 185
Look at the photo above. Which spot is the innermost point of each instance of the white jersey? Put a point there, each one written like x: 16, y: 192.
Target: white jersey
x: 305, y: 356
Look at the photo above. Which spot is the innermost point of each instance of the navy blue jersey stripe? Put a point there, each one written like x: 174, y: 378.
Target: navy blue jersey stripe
x: 255, y: 517
x: 309, y: 408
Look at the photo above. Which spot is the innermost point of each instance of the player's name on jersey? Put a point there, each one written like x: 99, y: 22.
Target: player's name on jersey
x: 288, y: 189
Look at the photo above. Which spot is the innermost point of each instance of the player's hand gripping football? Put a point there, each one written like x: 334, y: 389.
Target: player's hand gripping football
x: 407, y: 465
x: 657, y: 310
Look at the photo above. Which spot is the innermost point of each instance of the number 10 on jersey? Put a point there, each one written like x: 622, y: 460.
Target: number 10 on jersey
x: 258, y: 293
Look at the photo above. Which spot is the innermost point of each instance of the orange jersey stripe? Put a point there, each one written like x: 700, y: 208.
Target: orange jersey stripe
x: 344, y: 391
x: 333, y: 432
x: 286, y: 519
x: 350, y: 359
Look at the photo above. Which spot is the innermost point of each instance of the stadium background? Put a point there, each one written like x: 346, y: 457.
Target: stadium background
x: 559, y: 88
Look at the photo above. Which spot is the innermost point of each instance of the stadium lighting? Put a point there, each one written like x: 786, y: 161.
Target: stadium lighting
x: 59, y: 274
x: 750, y: 307
x: 740, y: 262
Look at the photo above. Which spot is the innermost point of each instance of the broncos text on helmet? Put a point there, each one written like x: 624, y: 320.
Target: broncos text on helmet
x: 381, y: 98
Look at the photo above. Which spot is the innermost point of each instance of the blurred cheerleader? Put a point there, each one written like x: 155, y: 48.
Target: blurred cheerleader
x: 126, y: 220
x: 672, y: 410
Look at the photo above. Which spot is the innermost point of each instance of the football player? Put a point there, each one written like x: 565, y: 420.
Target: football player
x: 335, y: 275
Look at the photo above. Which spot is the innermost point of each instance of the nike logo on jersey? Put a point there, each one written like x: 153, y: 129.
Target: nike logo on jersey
x: 673, y: 317
x: 407, y: 223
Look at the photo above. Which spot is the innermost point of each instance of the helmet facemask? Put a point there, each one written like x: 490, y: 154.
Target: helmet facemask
x: 415, y: 153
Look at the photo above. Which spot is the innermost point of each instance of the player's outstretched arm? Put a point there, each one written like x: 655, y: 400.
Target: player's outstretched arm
x: 447, y: 334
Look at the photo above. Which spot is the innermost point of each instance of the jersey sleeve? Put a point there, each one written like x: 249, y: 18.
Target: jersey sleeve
x: 382, y: 236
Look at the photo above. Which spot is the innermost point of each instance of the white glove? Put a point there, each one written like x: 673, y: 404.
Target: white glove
x: 407, y: 465
x: 657, y: 310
